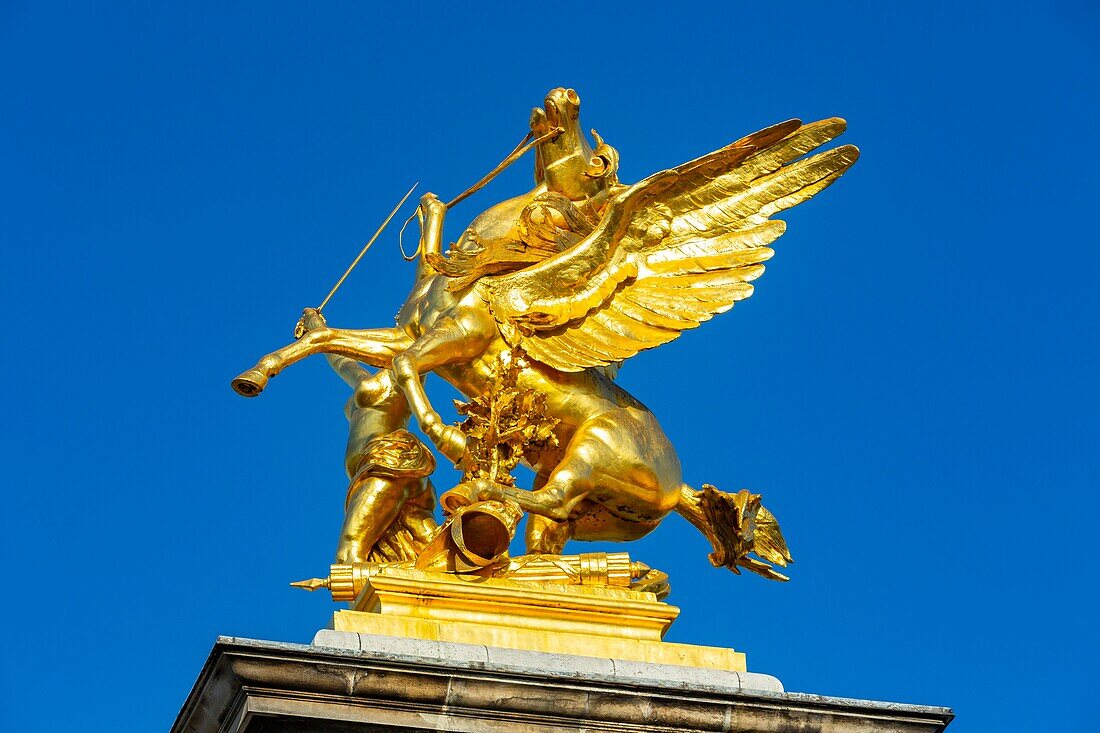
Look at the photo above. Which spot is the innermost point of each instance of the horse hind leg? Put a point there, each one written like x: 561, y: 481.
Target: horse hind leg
x: 546, y: 536
x: 737, y: 525
x: 690, y: 507
x: 580, y: 517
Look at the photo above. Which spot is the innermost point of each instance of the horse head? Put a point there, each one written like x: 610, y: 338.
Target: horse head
x: 524, y: 230
x: 566, y: 163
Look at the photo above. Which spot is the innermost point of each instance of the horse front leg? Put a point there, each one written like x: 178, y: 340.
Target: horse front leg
x: 375, y: 347
x: 460, y: 338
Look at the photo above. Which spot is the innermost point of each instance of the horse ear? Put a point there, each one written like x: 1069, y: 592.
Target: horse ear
x: 604, y: 162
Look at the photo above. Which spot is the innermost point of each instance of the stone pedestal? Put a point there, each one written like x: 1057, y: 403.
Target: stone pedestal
x: 347, y: 681
x: 587, y: 621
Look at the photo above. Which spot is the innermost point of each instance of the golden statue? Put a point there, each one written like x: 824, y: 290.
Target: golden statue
x: 542, y: 298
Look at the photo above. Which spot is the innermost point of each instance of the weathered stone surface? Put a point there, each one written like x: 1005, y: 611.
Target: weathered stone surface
x: 357, y: 682
x: 529, y: 662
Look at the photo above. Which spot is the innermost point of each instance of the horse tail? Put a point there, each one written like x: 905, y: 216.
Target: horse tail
x: 737, y: 525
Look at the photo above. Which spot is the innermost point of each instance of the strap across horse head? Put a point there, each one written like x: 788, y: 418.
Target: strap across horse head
x: 565, y: 162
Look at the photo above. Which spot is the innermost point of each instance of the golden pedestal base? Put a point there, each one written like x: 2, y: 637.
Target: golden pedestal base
x: 563, y: 619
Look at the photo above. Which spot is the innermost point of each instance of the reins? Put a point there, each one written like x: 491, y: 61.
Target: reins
x: 518, y: 152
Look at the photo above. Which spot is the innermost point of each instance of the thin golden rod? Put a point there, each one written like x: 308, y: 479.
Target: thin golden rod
x: 365, y: 248
x: 513, y: 156
x: 518, y: 152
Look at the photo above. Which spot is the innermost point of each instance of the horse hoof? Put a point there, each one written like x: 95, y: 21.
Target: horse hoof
x: 250, y: 384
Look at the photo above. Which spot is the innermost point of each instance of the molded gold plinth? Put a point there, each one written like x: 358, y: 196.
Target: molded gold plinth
x: 586, y: 621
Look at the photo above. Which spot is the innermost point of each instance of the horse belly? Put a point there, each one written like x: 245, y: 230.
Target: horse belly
x: 634, y: 470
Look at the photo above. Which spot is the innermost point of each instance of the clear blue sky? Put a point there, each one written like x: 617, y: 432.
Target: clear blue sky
x: 913, y: 387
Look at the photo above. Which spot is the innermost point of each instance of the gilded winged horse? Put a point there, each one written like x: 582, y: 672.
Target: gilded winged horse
x: 574, y: 277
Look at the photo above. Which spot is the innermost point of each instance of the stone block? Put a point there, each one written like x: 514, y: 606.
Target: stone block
x: 349, y: 682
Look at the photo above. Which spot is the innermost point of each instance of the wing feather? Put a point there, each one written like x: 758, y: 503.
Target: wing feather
x: 618, y: 325
x: 702, y: 246
x: 686, y: 307
x: 662, y: 316
x: 720, y: 161
x: 669, y: 253
x: 615, y: 337
x: 766, y: 196
x: 587, y: 348
x: 564, y: 349
x: 712, y: 263
x: 706, y: 301
x: 705, y: 279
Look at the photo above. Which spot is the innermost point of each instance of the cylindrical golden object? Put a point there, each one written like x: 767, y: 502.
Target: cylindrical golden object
x: 341, y: 582
x: 346, y: 581
x: 591, y: 568
x: 483, y: 531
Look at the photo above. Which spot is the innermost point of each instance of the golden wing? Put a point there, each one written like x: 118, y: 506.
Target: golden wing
x: 669, y: 253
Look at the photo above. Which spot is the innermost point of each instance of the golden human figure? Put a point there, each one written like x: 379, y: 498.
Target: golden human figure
x: 571, y: 279
x: 390, y: 503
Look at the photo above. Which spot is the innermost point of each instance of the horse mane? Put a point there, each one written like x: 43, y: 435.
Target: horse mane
x: 548, y: 225
x: 466, y: 268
